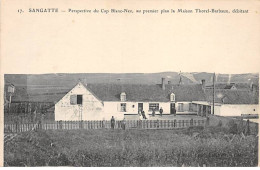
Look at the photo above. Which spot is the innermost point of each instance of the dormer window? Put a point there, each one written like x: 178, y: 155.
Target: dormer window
x: 172, y: 97
x: 123, y: 97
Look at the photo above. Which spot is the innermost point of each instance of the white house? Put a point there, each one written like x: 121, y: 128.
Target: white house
x: 102, y: 101
x: 235, y: 102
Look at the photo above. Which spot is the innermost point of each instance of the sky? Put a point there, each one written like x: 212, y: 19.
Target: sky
x: 122, y: 43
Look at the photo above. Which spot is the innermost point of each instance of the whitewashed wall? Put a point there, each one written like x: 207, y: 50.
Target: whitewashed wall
x: 236, y: 110
x: 92, y: 108
x: 113, y: 108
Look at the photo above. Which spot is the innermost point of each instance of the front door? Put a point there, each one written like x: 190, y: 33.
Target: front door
x: 172, y: 108
x: 140, y: 107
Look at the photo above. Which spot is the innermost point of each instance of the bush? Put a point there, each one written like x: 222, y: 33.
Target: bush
x: 232, y: 127
x: 219, y: 123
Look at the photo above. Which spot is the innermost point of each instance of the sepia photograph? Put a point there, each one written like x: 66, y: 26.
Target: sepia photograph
x: 155, y: 119
x: 129, y: 83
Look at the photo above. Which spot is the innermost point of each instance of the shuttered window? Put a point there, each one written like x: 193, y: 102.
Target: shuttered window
x: 123, y: 107
x: 73, y: 99
x: 180, y: 107
x: 76, y: 99
x: 190, y: 107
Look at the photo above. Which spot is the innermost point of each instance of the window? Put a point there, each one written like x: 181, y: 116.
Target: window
x: 190, y: 107
x: 79, y: 99
x: 180, y: 107
x: 209, y: 109
x: 123, y: 97
x: 76, y: 99
x: 123, y: 107
x: 154, y: 106
x: 172, y: 97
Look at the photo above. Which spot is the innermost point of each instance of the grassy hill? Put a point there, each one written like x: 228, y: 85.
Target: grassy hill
x: 65, y: 79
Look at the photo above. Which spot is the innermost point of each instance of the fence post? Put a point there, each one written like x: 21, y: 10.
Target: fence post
x: 247, y: 127
x: 179, y: 123
x: 207, y: 121
x: 60, y: 124
x: 256, y: 128
x: 191, y: 122
x: 16, y: 126
x: 163, y: 123
x: 129, y: 124
x: 40, y: 124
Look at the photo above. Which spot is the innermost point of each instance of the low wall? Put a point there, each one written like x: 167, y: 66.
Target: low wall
x: 236, y: 109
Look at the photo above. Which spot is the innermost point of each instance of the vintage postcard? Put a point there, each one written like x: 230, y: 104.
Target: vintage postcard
x: 129, y: 83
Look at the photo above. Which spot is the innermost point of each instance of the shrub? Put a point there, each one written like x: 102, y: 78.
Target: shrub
x: 232, y: 127
x: 219, y: 123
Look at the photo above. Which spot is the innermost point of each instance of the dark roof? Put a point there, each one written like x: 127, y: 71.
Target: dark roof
x: 242, y: 86
x: 142, y: 92
x: 111, y: 92
x: 134, y: 92
x: 225, y: 96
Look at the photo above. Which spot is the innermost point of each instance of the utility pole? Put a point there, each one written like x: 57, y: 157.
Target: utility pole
x: 10, y: 101
x: 80, y: 114
x: 213, y: 109
x: 180, y: 81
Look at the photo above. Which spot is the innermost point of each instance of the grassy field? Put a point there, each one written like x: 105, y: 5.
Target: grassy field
x: 212, y: 146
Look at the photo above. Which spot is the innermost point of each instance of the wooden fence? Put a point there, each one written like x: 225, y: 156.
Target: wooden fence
x: 105, y: 124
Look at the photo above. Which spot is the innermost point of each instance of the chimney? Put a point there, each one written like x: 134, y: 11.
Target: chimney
x: 169, y: 82
x: 163, y: 83
x: 253, y: 88
x: 203, y: 83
